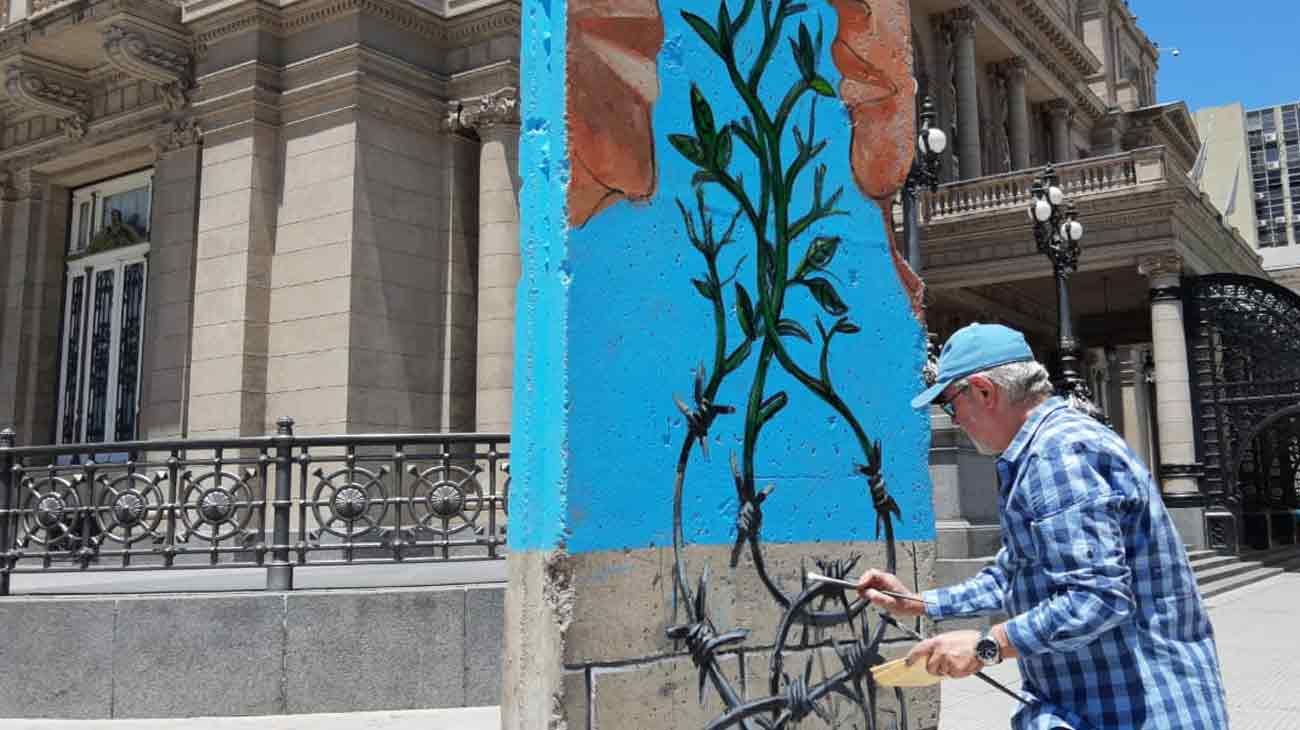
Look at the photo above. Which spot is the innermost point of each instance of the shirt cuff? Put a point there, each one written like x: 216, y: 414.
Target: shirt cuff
x: 933, y: 603
x: 1021, y: 634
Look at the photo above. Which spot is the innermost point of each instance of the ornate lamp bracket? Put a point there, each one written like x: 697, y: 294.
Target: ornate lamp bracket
x: 47, y: 88
x: 152, y: 56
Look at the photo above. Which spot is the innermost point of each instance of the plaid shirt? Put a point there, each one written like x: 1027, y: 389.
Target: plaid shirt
x: 1107, y: 617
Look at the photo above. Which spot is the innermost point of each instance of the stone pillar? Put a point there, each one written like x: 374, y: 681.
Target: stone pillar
x: 239, y: 196
x: 1059, y: 113
x: 1133, y: 420
x: 1018, y: 112
x: 35, y: 215
x: 1177, y: 445
x: 968, y: 109
x: 169, y: 306
x: 496, y: 119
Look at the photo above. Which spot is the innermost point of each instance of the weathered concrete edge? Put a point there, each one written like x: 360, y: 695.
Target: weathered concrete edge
x: 485, y: 666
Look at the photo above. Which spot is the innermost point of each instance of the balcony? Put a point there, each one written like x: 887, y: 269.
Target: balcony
x: 1132, y: 203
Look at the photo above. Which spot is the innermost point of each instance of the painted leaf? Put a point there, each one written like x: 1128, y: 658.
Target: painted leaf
x: 791, y: 328
x: 688, y: 146
x: 703, y: 116
x: 722, y: 152
x: 824, y: 292
x: 846, y: 327
x: 772, y: 406
x: 705, y: 288
x: 819, y: 255
x: 739, y: 356
x: 703, y: 30
x: 744, y: 311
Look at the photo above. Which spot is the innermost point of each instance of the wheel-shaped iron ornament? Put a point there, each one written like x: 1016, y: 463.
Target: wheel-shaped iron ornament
x: 446, y: 499
x: 130, y: 508
x: 349, y: 502
x: 218, y: 505
x: 49, y: 510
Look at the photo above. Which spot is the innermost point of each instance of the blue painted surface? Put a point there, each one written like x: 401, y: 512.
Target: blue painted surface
x: 610, y: 327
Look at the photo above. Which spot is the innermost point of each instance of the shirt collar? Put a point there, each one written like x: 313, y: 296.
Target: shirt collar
x: 1032, y: 423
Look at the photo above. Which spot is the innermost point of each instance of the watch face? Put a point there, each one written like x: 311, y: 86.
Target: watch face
x: 986, y: 650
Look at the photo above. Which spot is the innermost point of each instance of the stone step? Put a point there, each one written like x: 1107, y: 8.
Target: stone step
x: 1213, y: 560
x: 1240, y: 580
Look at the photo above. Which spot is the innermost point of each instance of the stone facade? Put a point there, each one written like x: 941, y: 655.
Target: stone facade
x: 331, y: 224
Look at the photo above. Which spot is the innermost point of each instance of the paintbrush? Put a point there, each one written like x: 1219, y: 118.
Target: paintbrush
x: 850, y: 585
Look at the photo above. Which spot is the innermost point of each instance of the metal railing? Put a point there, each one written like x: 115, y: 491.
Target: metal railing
x: 271, y: 502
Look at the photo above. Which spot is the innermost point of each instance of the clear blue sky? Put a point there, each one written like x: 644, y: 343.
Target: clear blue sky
x: 1244, y: 50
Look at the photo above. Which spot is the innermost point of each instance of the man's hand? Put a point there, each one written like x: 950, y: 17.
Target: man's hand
x: 948, y: 655
x: 873, y: 581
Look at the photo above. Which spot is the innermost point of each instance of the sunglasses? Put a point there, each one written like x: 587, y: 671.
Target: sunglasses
x: 948, y: 406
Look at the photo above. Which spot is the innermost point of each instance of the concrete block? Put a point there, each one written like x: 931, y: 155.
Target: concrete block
x: 342, y: 649
x: 381, y: 333
x: 415, y: 374
x: 238, y: 641
x: 310, y: 405
x: 484, y: 629
x: 222, y: 240
x: 384, y: 230
x: 618, y: 695
x: 327, y: 261
x: 56, y: 658
x: 327, y: 367
x: 223, y: 209
x: 332, y: 296
x: 217, y: 153
x: 296, y: 144
x: 309, y: 335
x: 313, y: 233
x: 219, y: 306
x: 326, y: 164
x: 227, y: 176
x: 316, y: 200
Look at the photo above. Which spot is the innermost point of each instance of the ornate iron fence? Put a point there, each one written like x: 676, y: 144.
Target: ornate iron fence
x: 270, y: 502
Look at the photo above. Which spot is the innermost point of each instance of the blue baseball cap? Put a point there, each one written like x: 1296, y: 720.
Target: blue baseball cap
x: 974, y: 349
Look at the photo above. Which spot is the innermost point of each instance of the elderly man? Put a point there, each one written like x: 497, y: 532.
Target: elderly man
x: 1106, y: 621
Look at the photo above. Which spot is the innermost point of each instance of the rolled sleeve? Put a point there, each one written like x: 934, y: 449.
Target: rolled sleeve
x: 1081, y: 549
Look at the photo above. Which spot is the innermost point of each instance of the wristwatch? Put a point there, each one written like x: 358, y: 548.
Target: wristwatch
x: 987, y: 649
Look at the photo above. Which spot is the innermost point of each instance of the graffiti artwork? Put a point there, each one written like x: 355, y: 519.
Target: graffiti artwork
x: 747, y: 330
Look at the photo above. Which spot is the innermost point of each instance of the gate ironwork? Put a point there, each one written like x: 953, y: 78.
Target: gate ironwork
x: 1244, y: 346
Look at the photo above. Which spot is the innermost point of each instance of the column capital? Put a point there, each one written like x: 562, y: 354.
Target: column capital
x: 961, y: 20
x: 1014, y: 68
x: 50, y: 89
x: 143, y: 52
x: 1058, y: 109
x: 23, y: 184
x: 498, y: 109
x: 1160, y: 265
x: 178, y: 134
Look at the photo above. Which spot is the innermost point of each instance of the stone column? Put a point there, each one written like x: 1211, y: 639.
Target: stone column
x: 1059, y: 113
x: 1177, y: 445
x: 169, y: 307
x: 496, y: 120
x: 35, y: 214
x: 968, y: 110
x: 1133, y: 417
x: 1018, y: 112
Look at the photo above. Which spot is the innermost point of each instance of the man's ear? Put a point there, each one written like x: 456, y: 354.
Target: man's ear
x: 984, y: 388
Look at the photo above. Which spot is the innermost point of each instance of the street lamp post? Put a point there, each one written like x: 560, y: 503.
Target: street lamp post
x: 1058, y: 232
x: 930, y: 144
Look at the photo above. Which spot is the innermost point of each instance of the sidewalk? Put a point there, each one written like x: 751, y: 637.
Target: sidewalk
x: 471, y: 718
x: 1256, y: 631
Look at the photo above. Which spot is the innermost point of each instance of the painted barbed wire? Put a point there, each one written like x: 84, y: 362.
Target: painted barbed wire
x: 777, y: 231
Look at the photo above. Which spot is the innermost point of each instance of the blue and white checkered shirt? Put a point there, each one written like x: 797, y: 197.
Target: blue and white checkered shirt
x: 1107, y: 617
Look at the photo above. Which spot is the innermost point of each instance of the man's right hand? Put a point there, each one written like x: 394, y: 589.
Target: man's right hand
x: 873, y: 581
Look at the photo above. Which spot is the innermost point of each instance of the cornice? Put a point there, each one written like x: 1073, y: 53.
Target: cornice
x: 47, y: 88
x: 1066, y: 42
x: 281, y: 22
x: 1069, y: 76
x: 500, y: 108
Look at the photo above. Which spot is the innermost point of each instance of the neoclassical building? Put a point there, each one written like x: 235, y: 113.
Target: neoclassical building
x: 218, y: 213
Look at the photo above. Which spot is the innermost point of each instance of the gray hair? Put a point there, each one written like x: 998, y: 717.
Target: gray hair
x: 1021, y: 381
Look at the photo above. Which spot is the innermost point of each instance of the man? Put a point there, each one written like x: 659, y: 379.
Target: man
x: 1107, y: 622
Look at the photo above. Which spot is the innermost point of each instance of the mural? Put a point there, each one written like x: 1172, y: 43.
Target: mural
x: 735, y: 324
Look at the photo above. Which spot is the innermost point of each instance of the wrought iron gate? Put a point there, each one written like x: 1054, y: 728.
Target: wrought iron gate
x: 1244, y: 347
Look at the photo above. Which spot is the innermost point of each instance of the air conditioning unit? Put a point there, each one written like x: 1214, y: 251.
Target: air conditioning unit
x: 1261, y: 196
x: 1279, y: 220
x: 1270, y: 137
x: 1274, y: 165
